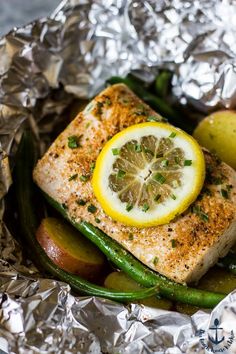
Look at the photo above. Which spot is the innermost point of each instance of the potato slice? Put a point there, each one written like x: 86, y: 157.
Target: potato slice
x: 120, y: 281
x: 217, y: 280
x: 68, y: 249
x: 217, y: 133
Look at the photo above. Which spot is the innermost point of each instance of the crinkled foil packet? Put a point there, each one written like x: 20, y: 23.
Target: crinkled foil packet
x: 43, y: 66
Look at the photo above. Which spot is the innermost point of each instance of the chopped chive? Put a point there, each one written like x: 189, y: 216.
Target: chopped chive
x: 131, y: 237
x: 157, y: 197
x: 187, y: 162
x: 115, y: 151
x: 164, y: 163
x: 121, y: 174
x: 196, y: 209
x: 173, y: 243
x: 64, y: 206
x: 154, y: 119
x: 84, y: 178
x: 73, y: 141
x: 173, y: 196
x: 172, y: 135
x: 138, y: 148
x: 159, y: 178
x: 73, y: 177
x: 97, y: 220
x: 92, y: 209
x: 108, y: 101
x: 224, y: 193
x: 155, y: 260
x: 145, y: 207
x: 217, y: 180
x: 81, y: 202
x: 177, y: 160
x: 92, y: 166
x: 99, y: 107
x: 129, y: 207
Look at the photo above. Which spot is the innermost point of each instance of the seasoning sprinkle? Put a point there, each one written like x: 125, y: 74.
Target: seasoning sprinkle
x: 73, y: 177
x: 92, y: 209
x: 159, y: 178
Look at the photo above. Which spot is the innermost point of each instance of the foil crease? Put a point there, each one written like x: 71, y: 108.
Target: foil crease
x: 44, y: 65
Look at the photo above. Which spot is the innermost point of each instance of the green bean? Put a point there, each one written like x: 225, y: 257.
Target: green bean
x: 136, y: 270
x: 25, y: 192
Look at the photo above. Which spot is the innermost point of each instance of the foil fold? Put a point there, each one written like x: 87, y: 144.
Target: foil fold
x: 43, y: 67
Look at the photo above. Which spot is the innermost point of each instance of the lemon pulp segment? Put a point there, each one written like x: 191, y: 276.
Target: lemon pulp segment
x: 148, y: 173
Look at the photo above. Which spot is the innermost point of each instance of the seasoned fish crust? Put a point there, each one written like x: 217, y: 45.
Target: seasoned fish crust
x: 182, y: 250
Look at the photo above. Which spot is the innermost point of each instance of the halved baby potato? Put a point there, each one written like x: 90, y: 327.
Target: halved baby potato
x: 121, y: 281
x: 68, y: 249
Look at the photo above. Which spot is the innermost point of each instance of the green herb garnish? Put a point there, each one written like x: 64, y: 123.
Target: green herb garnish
x: 159, y: 178
x: 172, y: 135
x: 224, y: 193
x: 153, y: 119
x: 137, y: 148
x: 97, y: 220
x: 115, y: 151
x: 173, y: 196
x: 164, y: 163
x: 157, y: 197
x: 92, y: 166
x: 84, y: 178
x: 121, y: 174
x: 129, y: 207
x: 73, y: 177
x: 81, y: 202
x: 173, y: 243
x: 73, y: 141
x: 196, y: 209
x: 187, y: 162
x: 145, y: 207
x: 155, y: 261
x: 92, y: 209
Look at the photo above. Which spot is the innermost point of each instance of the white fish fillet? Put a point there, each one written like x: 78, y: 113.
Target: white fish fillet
x: 198, y: 243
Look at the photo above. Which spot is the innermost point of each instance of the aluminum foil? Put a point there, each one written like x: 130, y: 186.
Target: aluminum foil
x: 43, y: 66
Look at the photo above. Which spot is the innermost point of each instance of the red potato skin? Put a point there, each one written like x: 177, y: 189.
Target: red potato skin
x: 67, y: 262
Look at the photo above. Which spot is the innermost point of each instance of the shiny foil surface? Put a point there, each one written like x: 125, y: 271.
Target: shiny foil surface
x: 43, y: 66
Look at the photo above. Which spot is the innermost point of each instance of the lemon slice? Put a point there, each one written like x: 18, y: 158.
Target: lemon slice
x: 148, y: 173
